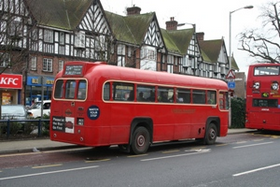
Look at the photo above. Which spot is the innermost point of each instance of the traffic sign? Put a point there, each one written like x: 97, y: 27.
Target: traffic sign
x: 230, y: 75
x: 231, y: 85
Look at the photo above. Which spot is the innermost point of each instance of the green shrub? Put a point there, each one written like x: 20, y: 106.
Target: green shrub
x: 238, y: 109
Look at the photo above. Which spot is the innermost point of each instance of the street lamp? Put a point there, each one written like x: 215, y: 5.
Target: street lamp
x: 246, y: 7
x: 230, y: 57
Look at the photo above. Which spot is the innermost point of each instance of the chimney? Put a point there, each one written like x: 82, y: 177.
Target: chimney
x: 133, y: 10
x: 172, y: 24
x: 200, y: 36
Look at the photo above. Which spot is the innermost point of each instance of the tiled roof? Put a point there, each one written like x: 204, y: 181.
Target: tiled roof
x: 130, y: 29
x: 177, y: 41
x: 62, y: 14
x: 211, y: 49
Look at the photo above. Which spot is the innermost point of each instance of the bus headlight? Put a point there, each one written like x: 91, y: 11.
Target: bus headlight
x: 257, y: 85
x: 80, y: 121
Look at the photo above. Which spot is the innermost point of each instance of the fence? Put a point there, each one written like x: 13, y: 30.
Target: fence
x: 10, y: 126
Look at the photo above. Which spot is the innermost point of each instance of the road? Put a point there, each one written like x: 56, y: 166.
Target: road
x: 248, y: 159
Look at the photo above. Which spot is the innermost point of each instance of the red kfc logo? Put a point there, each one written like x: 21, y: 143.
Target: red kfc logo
x: 12, y: 81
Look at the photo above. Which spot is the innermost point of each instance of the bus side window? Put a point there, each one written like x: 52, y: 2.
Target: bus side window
x: 199, y: 96
x: 106, y: 91
x: 82, y: 90
x: 58, y: 89
x: 164, y: 93
x: 145, y: 93
x: 184, y: 95
x: 211, y: 97
x: 123, y: 91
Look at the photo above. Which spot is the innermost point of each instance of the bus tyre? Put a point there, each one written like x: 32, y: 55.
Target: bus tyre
x: 211, y: 134
x: 140, y: 141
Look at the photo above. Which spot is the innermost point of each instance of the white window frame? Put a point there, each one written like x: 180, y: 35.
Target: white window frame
x: 47, y: 64
x: 48, y: 36
x: 121, y: 49
x: 80, y: 39
x: 33, y: 63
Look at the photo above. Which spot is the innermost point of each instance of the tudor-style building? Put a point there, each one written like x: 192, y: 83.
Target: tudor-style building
x: 38, y: 38
x: 42, y: 35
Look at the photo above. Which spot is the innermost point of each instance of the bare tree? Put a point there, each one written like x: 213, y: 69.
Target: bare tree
x: 263, y: 43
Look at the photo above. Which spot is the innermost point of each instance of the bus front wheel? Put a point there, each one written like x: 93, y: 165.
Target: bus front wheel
x: 140, y: 140
x: 211, y: 134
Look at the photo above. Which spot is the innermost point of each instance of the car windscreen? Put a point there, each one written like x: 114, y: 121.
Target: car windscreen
x: 12, y: 110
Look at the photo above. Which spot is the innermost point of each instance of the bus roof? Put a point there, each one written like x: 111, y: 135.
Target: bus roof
x: 111, y: 72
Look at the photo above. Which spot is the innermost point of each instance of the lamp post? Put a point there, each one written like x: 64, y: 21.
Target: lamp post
x: 230, y: 57
x: 246, y: 7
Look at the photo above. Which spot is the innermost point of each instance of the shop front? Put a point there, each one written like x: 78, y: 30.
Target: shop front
x: 10, y: 88
x: 38, y: 87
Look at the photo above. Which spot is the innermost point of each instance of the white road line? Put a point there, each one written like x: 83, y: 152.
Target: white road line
x: 251, y: 145
x: 255, y: 170
x: 47, y: 173
x: 179, y: 155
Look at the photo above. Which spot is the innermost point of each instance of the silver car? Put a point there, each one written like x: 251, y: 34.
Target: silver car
x: 15, y: 112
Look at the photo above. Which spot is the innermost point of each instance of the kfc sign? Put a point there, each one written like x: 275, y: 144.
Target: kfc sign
x: 12, y: 81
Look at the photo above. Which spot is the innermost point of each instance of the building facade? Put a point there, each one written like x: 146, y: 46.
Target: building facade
x: 38, y: 37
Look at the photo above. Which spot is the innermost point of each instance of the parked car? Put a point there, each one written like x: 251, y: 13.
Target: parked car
x: 16, y: 112
x: 35, y: 110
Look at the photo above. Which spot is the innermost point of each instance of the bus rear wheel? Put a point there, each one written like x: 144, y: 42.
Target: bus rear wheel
x: 211, y: 134
x: 140, y: 140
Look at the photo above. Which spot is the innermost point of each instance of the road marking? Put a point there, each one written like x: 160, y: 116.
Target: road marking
x: 220, y: 145
x: 46, y: 173
x: 251, y: 145
x: 133, y: 156
x: 171, y: 151
x: 241, y: 142
x: 255, y: 170
x: 40, y: 152
x: 179, y: 155
x: 19, y: 154
x: 46, y: 166
x: 102, y: 160
x: 258, y: 140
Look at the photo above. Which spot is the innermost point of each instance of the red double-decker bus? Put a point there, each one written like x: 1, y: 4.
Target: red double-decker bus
x: 95, y: 104
x: 262, y: 97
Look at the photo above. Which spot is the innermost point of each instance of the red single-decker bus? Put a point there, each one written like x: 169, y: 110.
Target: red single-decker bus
x: 95, y: 104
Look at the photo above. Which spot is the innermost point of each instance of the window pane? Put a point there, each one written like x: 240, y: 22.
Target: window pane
x: 199, y: 96
x: 58, y: 89
x: 123, y: 91
x: 265, y: 103
x: 70, y: 89
x: 165, y: 94
x: 106, y: 91
x: 145, y: 93
x: 211, y: 97
x: 82, y: 90
x: 184, y: 96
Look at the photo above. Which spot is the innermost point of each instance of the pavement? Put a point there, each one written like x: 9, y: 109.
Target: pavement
x: 20, y: 146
